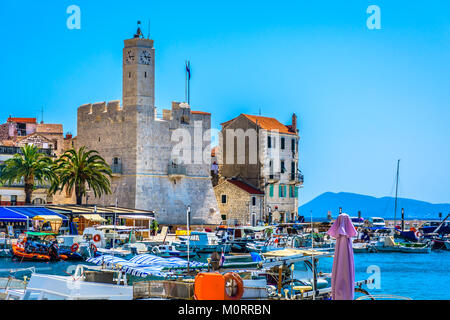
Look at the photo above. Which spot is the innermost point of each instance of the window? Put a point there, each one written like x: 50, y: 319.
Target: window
x: 292, y: 191
x: 116, y: 161
x: 224, y: 217
x: 283, y: 166
x: 283, y: 143
x: 269, y: 142
x: 224, y: 198
x: 129, y: 74
x: 271, y: 188
x: 22, y: 129
x: 146, y: 74
x: 282, y: 191
x: 293, y: 146
x: 14, y: 200
x: 253, y: 201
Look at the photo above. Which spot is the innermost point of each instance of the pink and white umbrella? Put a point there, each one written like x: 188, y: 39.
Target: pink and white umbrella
x: 343, y: 274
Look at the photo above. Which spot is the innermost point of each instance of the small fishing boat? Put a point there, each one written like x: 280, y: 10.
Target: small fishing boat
x: 41, y: 247
x: 363, y: 247
x: 201, y: 242
x: 414, y: 248
x: 167, y: 251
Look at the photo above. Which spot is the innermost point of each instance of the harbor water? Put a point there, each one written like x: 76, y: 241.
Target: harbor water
x: 415, y: 276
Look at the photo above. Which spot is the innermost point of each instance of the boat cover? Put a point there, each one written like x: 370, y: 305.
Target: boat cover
x: 145, y: 265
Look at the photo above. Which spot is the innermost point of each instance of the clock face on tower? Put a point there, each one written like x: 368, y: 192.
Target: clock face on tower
x: 129, y: 57
x: 145, y: 57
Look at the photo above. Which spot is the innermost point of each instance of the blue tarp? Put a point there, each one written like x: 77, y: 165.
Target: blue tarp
x: 32, y: 212
x: 11, y: 216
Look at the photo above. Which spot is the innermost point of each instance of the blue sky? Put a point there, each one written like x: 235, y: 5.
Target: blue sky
x: 364, y: 98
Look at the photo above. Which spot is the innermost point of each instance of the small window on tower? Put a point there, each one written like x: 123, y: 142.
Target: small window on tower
x: 146, y: 74
x: 129, y: 74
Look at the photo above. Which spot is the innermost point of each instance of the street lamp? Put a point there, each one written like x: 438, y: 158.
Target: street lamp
x: 188, y: 213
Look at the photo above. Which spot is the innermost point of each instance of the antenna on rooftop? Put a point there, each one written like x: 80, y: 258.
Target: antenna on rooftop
x: 148, y: 37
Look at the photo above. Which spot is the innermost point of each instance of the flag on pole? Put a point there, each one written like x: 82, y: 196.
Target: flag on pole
x: 188, y: 69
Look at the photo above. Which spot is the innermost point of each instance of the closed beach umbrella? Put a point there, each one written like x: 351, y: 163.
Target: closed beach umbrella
x: 343, y: 275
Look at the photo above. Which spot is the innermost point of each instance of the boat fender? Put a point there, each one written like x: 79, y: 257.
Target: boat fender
x: 419, y: 234
x: 231, y: 280
x: 74, y: 247
x: 97, y: 238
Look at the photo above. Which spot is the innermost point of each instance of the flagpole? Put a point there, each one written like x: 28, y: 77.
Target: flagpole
x: 186, y: 83
x: 189, y: 83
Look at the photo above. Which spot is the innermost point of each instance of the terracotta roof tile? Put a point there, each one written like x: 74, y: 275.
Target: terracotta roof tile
x: 7, y: 143
x: 248, y: 188
x: 270, y: 124
x: 22, y: 120
x: 201, y: 112
x: 266, y: 123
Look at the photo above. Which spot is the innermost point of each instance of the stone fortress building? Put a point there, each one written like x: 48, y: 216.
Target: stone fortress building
x: 147, y: 173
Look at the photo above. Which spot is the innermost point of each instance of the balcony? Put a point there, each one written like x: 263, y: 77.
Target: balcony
x: 21, y: 184
x: 176, y: 170
x: 296, y: 178
x: 274, y: 177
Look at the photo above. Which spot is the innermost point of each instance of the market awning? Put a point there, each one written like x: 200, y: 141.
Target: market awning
x: 32, y: 212
x: 94, y: 217
x: 48, y: 218
x: 10, y: 216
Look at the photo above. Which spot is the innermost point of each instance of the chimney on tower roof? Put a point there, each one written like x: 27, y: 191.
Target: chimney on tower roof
x: 294, y: 123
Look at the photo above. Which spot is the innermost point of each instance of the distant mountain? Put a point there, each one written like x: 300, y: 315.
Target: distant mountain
x: 369, y: 206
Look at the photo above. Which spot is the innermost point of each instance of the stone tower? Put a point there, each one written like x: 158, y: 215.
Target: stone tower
x: 138, y: 145
x: 139, y: 75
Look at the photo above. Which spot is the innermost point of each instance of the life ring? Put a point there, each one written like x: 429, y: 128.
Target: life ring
x: 419, y: 234
x: 93, y: 247
x: 97, y: 238
x: 233, y: 280
x: 74, y: 247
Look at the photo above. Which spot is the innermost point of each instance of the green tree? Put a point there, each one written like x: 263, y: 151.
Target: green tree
x: 77, y: 170
x: 154, y: 227
x: 30, y: 167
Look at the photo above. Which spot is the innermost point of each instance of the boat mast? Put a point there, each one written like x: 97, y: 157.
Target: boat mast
x: 396, y: 194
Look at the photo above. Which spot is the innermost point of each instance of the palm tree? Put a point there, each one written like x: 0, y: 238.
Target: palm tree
x: 29, y: 166
x: 79, y: 169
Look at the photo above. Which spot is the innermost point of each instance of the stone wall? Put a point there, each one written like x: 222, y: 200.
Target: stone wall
x: 239, y: 203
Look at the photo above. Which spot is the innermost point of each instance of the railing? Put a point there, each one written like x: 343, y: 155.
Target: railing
x: 17, y: 150
x: 176, y: 170
x: 297, y: 177
x: 21, y: 184
x: 274, y: 176
x: 116, y: 168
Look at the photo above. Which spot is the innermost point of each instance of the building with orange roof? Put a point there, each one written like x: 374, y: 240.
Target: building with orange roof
x: 263, y: 152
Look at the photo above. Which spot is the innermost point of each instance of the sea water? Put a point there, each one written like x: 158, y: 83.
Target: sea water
x: 409, y: 275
